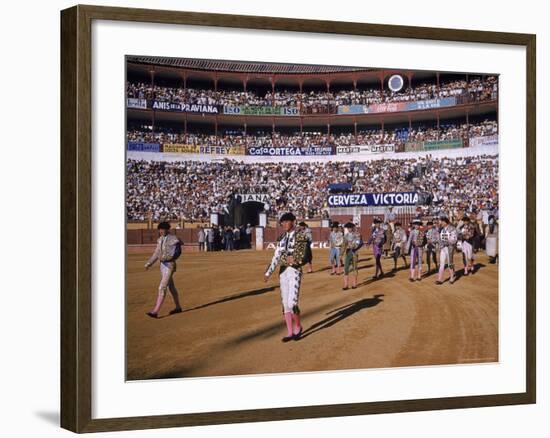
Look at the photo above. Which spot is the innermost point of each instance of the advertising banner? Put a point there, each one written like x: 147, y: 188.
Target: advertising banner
x: 202, y: 149
x: 485, y: 140
x: 414, y: 146
x: 380, y: 148
x: 352, y: 109
x: 185, y: 107
x: 373, y: 199
x: 443, y: 144
x: 315, y: 244
x: 431, y: 103
x: 222, y: 150
x: 180, y: 148
x: 136, y: 103
x: 261, y: 110
x: 353, y: 149
x: 391, y: 107
x: 290, y: 111
x: 143, y: 147
x: 291, y: 151
x: 254, y: 197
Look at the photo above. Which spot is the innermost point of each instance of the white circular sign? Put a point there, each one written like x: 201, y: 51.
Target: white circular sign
x: 395, y: 83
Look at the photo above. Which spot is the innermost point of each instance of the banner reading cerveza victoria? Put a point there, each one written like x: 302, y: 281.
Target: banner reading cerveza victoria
x: 200, y: 149
x: 373, y: 199
x: 291, y: 151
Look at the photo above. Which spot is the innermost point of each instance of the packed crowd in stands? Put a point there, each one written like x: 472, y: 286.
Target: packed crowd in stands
x: 447, y: 131
x: 192, y: 190
x: 475, y: 89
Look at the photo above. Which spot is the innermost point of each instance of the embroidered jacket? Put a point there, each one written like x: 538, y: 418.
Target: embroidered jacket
x: 399, y: 237
x: 167, y: 250
x: 467, y: 232
x: 377, y: 238
x: 309, y: 234
x: 417, y: 238
x: 289, y: 244
x: 336, y: 239
x: 352, y: 242
x: 432, y: 236
x: 448, y: 236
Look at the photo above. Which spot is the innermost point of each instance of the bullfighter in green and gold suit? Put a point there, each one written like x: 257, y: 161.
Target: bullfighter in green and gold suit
x: 290, y: 257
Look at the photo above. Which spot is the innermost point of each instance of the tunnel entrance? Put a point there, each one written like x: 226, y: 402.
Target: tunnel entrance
x: 250, y: 212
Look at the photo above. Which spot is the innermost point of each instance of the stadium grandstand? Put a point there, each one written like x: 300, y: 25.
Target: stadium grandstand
x: 202, y: 134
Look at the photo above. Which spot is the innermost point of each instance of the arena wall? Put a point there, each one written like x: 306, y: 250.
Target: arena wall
x: 482, y: 149
x: 140, y: 239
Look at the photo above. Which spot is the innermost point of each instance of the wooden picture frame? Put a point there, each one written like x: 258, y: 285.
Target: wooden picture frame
x: 76, y: 217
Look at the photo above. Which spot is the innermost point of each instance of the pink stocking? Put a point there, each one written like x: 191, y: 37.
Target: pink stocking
x: 160, y: 300
x: 288, y: 320
x: 441, y: 271
x: 297, y: 325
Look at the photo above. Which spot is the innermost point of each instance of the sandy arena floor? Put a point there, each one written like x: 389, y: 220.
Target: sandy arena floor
x: 232, y: 322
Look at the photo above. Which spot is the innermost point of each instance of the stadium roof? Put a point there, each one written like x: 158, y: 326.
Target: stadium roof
x: 242, y: 66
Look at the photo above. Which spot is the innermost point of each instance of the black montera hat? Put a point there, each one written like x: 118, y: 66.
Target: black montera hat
x: 397, y: 224
x: 349, y: 225
x: 302, y: 224
x: 287, y: 217
x: 164, y: 226
x: 377, y: 220
x: 429, y: 223
x: 466, y: 218
x: 417, y: 222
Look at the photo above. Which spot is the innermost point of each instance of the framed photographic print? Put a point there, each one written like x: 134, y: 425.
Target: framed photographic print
x: 304, y: 218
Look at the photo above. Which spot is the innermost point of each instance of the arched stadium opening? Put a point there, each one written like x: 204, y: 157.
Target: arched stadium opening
x: 250, y: 212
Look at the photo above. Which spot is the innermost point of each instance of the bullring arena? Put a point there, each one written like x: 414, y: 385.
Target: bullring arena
x: 227, y: 147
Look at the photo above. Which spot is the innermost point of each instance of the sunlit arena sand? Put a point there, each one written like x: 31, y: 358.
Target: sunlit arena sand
x: 232, y: 322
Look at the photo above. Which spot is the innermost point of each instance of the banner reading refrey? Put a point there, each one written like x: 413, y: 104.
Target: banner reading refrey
x: 373, y: 199
x: 203, y: 149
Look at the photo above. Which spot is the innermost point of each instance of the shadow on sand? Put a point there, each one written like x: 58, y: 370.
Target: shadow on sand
x: 341, y: 313
x: 250, y: 293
